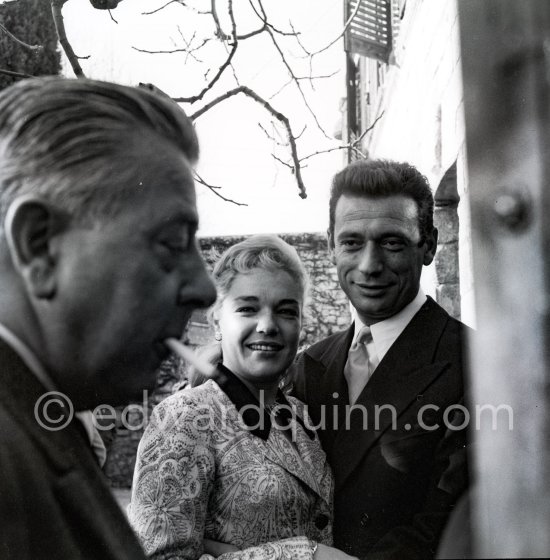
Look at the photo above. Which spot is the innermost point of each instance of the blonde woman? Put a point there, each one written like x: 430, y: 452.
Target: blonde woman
x: 233, y: 460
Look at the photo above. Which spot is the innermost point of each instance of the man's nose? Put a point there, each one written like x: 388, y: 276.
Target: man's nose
x: 197, y: 289
x: 370, y: 259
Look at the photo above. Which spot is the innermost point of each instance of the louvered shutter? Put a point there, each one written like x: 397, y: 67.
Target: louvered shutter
x: 370, y: 32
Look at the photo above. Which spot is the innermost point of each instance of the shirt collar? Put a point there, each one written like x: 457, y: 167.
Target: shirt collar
x: 386, y: 332
x: 256, y: 418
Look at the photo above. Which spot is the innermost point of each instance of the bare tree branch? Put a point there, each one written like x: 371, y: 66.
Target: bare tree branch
x: 283, y: 162
x: 188, y: 49
x: 215, y: 189
x: 220, y: 33
x: 279, y: 116
x: 18, y: 41
x: 263, y: 17
x: 181, y: 3
x: 224, y: 66
x: 309, y: 78
x: 271, y: 137
x: 57, y: 7
x: 282, y: 130
x: 292, y: 75
x: 297, y: 36
x: 353, y: 146
x: 168, y: 51
x: 14, y: 74
x: 341, y: 34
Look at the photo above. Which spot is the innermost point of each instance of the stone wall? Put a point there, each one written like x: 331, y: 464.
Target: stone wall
x: 447, y: 261
x: 327, y: 313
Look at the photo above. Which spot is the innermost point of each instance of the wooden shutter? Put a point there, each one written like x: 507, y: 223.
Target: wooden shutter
x: 369, y: 33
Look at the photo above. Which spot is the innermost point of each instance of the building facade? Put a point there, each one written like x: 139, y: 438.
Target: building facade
x: 405, y: 102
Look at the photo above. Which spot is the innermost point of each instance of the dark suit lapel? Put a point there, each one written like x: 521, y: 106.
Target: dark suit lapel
x: 326, y: 386
x: 329, y: 362
x: 404, y: 373
x: 20, y: 391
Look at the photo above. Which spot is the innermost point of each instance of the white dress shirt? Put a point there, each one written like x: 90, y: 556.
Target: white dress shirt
x: 386, y: 332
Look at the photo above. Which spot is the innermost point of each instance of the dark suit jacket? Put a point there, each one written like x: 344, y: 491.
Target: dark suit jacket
x: 54, y: 502
x: 395, y: 482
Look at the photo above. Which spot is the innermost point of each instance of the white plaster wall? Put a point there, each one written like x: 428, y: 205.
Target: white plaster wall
x: 423, y: 121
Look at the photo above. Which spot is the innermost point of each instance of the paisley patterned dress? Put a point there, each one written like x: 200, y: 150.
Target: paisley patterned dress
x: 213, y: 465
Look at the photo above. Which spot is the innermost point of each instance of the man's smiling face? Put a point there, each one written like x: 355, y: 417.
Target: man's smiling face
x: 377, y: 248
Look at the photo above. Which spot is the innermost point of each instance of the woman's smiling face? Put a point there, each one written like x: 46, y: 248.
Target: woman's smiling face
x: 260, y: 319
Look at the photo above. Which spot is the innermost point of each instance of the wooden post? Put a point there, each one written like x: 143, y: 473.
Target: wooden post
x: 506, y: 66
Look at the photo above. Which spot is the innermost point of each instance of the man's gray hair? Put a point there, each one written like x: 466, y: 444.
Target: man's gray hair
x: 71, y: 141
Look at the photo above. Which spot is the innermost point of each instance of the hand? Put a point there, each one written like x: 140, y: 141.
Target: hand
x: 209, y: 354
x: 217, y: 548
x: 324, y: 552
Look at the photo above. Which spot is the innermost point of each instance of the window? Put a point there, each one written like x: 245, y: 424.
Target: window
x: 369, y: 42
x: 374, y: 27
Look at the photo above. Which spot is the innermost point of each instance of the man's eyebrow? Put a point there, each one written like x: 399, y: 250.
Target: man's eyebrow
x: 349, y: 233
x: 182, y: 216
x: 189, y: 220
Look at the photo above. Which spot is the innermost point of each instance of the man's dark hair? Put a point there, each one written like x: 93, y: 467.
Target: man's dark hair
x: 379, y: 178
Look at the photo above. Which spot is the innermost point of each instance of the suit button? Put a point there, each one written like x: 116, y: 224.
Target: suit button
x: 321, y: 521
x: 365, y: 520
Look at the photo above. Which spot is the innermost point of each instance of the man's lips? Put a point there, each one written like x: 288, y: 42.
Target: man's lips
x: 372, y: 288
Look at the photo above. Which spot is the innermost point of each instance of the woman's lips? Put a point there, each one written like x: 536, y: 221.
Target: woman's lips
x: 264, y: 346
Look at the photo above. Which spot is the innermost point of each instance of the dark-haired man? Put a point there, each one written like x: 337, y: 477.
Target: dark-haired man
x: 98, y: 266
x: 387, y: 392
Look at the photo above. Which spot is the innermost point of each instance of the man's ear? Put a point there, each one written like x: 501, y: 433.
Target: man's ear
x: 330, y: 245
x: 30, y: 225
x: 431, y: 247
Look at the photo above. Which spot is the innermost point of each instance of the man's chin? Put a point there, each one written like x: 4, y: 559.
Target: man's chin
x: 373, y: 311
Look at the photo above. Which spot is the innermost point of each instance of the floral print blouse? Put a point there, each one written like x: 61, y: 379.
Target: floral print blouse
x: 214, y: 465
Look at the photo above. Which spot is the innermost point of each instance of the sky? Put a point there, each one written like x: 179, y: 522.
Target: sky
x: 236, y: 153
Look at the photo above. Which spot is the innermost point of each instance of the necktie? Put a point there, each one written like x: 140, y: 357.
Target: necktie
x: 360, y: 364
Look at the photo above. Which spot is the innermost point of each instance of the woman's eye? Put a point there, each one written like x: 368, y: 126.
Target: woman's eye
x: 289, y: 312
x: 245, y: 309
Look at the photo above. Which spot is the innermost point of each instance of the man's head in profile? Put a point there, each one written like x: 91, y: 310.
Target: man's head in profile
x: 98, y: 259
